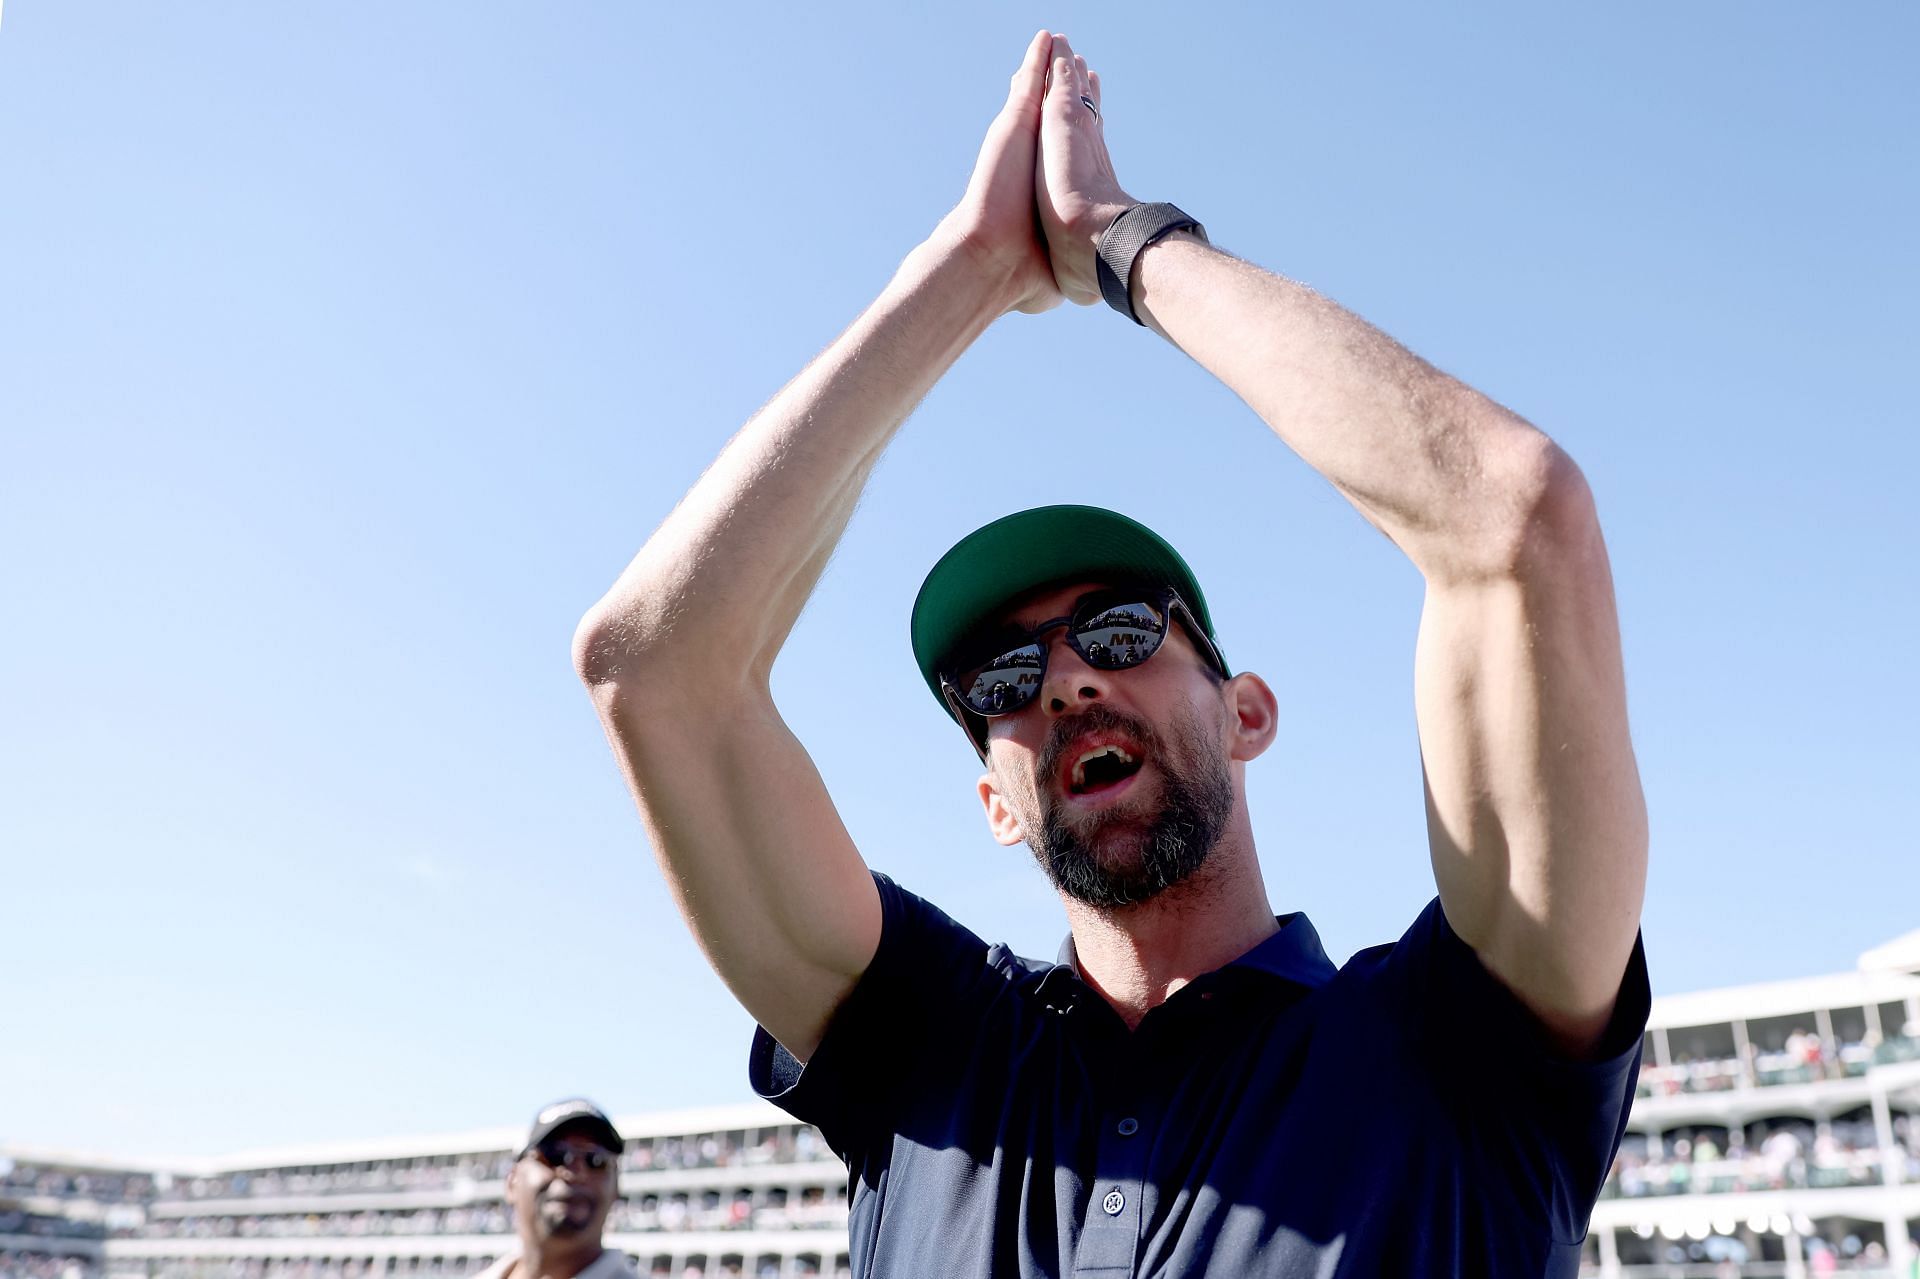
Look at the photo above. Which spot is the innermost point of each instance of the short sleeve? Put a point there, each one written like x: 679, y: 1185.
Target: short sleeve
x: 910, y: 1019
x: 1552, y: 1123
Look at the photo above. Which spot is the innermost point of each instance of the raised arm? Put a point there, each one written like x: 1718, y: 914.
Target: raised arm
x: 677, y: 655
x: 1536, y: 822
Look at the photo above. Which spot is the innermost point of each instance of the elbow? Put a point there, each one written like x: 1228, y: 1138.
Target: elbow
x: 623, y: 681
x: 633, y: 657
x: 620, y: 641
x: 1560, y: 528
x: 599, y: 659
x: 1541, y: 514
x: 614, y: 651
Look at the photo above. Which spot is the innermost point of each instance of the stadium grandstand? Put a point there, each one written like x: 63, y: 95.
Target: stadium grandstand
x: 734, y: 1191
x: 1775, y: 1135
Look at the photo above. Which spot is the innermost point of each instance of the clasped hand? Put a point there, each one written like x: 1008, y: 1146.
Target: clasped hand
x: 1043, y: 189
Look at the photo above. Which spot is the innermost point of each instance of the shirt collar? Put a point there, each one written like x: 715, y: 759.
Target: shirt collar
x: 1293, y: 953
x: 612, y: 1263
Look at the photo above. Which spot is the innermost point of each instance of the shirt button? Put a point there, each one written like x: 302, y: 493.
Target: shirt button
x: 1128, y: 1126
x: 1113, y: 1203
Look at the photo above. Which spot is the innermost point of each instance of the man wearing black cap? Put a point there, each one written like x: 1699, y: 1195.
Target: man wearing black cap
x: 1193, y: 1088
x: 560, y: 1189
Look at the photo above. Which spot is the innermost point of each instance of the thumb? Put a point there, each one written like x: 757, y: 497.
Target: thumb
x: 1029, y: 84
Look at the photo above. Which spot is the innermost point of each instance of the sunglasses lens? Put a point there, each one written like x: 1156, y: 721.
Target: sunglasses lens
x: 1113, y: 634
x: 567, y: 1157
x: 1004, y: 684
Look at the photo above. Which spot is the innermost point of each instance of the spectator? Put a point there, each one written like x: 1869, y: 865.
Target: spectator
x: 1782, y: 1155
x: 561, y: 1189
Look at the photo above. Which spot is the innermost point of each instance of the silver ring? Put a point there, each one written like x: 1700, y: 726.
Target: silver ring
x: 1087, y: 102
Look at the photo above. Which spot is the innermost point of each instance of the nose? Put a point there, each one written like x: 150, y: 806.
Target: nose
x: 1070, y: 681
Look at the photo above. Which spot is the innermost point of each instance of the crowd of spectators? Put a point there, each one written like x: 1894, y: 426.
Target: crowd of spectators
x: 788, y: 1143
x: 737, y: 1268
x: 21, y: 1179
x: 478, y: 1219
x: 749, y: 1148
x: 1804, y: 1058
x: 813, y: 1208
x: 725, y: 1267
x: 773, y: 1208
x: 17, y: 1264
x: 18, y: 1222
x: 319, y: 1268
x: 367, y: 1177
x: 1727, y: 1258
x: 1787, y: 1154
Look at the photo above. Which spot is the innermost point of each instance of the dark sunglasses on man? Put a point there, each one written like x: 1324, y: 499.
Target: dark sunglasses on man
x: 1003, y: 671
x: 555, y: 1155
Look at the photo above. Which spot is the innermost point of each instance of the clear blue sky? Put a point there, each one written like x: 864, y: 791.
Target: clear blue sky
x: 348, y: 351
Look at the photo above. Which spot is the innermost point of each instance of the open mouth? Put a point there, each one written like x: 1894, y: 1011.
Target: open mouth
x: 1102, y: 769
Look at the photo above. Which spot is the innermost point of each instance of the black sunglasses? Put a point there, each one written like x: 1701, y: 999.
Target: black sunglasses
x: 1110, y: 630
x: 555, y: 1155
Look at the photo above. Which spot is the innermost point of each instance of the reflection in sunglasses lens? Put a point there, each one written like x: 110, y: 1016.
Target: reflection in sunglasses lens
x: 1007, y: 682
x: 1107, y: 635
x: 1122, y: 635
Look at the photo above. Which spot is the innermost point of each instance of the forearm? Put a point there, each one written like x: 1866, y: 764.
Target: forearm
x: 1454, y: 479
x: 719, y: 585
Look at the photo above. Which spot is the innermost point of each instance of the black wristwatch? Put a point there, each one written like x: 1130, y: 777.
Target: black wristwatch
x: 1129, y: 233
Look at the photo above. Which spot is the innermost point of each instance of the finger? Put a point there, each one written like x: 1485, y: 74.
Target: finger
x: 1029, y: 80
x: 1093, y: 81
x: 1080, y: 76
x: 1063, y: 91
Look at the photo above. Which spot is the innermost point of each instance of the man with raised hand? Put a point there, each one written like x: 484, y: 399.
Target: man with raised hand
x: 1193, y: 1088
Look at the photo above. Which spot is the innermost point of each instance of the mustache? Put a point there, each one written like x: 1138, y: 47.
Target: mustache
x: 1096, y: 718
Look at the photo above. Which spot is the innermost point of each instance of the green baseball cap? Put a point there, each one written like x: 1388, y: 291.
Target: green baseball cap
x: 1023, y: 552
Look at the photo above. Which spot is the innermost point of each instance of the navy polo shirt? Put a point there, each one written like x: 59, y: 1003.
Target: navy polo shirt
x: 1400, y: 1116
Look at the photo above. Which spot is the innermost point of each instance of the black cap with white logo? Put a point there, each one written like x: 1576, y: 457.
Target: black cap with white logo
x: 575, y: 1112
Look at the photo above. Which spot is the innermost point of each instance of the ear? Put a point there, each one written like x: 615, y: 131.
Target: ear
x: 1253, y: 716
x: 1000, y: 819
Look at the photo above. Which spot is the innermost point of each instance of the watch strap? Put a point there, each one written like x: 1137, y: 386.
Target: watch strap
x: 1125, y: 237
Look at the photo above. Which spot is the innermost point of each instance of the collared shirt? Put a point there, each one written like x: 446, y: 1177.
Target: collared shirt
x: 611, y: 1264
x: 1403, y: 1115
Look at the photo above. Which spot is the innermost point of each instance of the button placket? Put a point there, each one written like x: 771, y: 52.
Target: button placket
x: 1110, y: 1231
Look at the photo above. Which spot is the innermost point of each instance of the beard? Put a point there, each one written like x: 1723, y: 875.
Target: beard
x: 1086, y: 857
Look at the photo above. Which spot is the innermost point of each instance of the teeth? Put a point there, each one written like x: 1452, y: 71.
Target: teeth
x: 1080, y: 765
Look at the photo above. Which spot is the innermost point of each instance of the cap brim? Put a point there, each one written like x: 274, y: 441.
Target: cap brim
x: 1049, y: 545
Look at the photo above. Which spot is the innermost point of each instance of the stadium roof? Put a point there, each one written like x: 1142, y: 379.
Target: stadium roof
x: 1902, y: 954
x: 1887, y: 974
